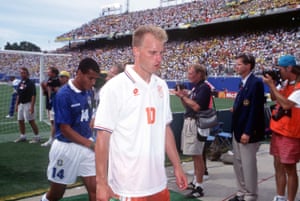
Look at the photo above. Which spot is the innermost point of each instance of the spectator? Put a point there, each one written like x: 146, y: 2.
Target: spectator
x: 129, y: 155
x: 25, y: 106
x: 52, y: 87
x: 199, y: 99
x: 72, y: 152
x: 285, y: 141
x: 14, y: 82
x: 114, y: 70
x: 64, y: 77
x: 248, y: 126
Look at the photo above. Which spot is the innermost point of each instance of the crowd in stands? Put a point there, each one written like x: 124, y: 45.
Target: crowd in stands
x: 182, y: 15
x: 217, y: 52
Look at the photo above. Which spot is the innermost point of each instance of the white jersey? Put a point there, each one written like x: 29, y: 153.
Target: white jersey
x: 136, y: 113
x: 15, y: 83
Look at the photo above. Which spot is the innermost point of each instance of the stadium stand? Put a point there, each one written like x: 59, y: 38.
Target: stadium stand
x: 217, y: 53
x: 191, y: 14
x: 211, y: 32
x: 213, y: 48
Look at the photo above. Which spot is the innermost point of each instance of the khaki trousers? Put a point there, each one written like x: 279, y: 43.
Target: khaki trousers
x: 245, y: 168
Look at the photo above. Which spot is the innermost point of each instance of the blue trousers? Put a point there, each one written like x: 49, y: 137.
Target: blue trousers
x: 12, y: 104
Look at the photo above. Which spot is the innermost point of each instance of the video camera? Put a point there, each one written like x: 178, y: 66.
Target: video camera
x: 280, y: 113
x: 274, y: 73
x: 179, y: 86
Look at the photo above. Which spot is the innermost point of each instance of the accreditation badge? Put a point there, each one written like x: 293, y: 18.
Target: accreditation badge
x: 246, y: 102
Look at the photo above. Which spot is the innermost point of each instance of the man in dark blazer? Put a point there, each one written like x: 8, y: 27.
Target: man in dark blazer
x: 248, y: 126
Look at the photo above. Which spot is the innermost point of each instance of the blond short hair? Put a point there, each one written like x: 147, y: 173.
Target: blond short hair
x: 200, y: 68
x: 138, y: 35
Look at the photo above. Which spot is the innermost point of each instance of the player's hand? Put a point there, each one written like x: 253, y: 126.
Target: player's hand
x: 104, y: 192
x: 181, y: 179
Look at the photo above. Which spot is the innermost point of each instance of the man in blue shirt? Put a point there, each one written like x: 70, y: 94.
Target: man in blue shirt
x: 72, y: 152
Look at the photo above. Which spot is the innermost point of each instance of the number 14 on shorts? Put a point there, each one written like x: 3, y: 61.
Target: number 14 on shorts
x: 60, y: 173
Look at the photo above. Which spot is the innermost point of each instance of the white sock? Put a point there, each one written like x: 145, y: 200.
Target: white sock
x: 22, y: 135
x: 44, y: 198
x: 199, y: 184
x: 281, y: 196
x: 194, y: 180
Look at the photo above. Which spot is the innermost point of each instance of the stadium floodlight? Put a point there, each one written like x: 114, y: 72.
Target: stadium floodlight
x: 111, y: 9
x: 167, y: 2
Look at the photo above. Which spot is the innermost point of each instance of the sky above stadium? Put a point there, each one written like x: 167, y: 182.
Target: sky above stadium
x: 41, y: 21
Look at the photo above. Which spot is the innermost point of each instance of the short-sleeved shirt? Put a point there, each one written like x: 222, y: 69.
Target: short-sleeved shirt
x: 26, y: 90
x: 73, y: 107
x: 136, y: 114
x: 295, y: 97
x: 15, y: 84
x: 201, y: 93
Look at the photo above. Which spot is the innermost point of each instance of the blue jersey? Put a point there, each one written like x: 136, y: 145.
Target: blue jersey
x: 73, y: 107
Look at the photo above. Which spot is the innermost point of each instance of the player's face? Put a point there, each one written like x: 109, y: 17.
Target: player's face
x: 87, y: 80
x: 149, y: 55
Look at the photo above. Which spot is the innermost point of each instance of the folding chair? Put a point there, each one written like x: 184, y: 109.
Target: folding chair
x: 213, y: 132
x: 219, y: 142
x: 225, y: 140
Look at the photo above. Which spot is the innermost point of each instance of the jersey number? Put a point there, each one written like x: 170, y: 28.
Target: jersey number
x: 60, y: 173
x: 150, y: 115
x: 84, y: 115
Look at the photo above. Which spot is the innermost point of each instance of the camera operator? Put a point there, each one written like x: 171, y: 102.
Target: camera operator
x: 285, y: 140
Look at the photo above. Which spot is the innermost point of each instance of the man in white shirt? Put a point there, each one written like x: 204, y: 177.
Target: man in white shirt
x: 133, y: 122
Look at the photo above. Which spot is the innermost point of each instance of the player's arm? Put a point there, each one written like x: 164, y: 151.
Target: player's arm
x: 75, y: 137
x: 44, y: 87
x: 32, y: 102
x: 173, y: 156
x: 33, y: 97
x: 104, y: 192
x: 17, y: 103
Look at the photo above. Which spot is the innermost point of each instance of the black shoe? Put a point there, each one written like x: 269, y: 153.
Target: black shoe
x: 237, y: 198
x: 196, y: 193
x: 191, y: 186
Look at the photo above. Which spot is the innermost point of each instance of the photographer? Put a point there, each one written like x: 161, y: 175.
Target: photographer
x: 285, y: 140
x: 198, y: 99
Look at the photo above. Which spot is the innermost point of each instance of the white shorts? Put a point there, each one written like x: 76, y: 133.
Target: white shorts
x: 67, y: 161
x: 190, y: 144
x: 24, y: 112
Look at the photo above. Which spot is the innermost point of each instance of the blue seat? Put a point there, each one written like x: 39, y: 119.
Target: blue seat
x: 225, y: 139
x: 225, y: 135
x: 210, y: 138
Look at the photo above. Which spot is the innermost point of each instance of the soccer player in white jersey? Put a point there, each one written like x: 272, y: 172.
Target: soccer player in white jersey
x: 72, y: 152
x: 133, y: 122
